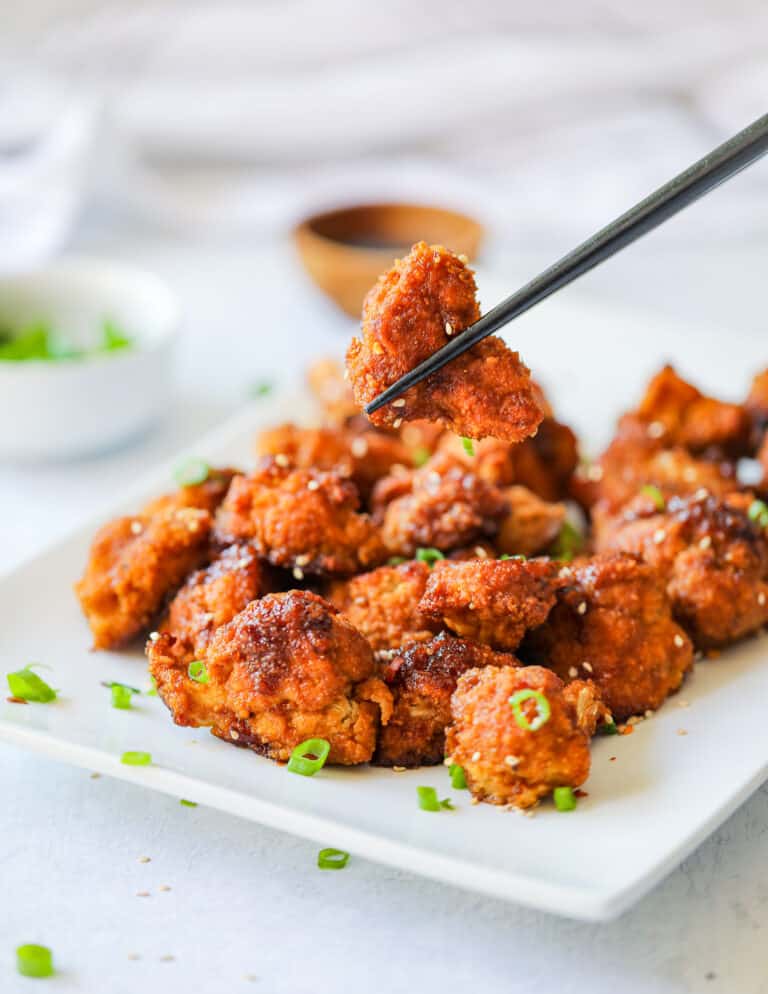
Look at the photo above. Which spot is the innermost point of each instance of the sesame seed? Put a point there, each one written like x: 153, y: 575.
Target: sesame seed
x: 474, y: 800
x: 134, y: 956
x: 634, y: 719
x: 761, y: 598
x: 595, y: 473
x: 701, y: 494
x: 298, y: 573
x: 233, y: 734
x: 346, y: 373
x: 475, y: 757
x: 649, y: 713
x: 463, y: 258
x: 659, y: 536
x: 683, y: 704
x: 689, y: 474
x: 400, y: 402
x: 164, y: 887
x: 512, y: 760
x: 480, y: 552
x: 154, y: 636
x: 587, y: 666
x: 359, y: 447
x: 313, y: 485
x: 241, y: 564
x: 142, y: 893
x: 572, y: 672
x: 448, y: 328
x: 705, y: 542
x: 655, y: 429
x: 448, y: 761
x: 282, y: 460
x: 682, y: 731
x: 471, y: 606
x: 679, y: 641
x: 137, y: 527
x: 378, y: 348
x: 582, y: 608
x: 145, y: 859
x: 564, y: 573
x: 397, y: 422
x: 167, y: 958
x: 302, y: 560
x: 398, y: 769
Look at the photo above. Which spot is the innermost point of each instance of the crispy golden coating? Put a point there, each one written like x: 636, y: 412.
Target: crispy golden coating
x: 384, y: 604
x: 505, y: 760
x: 134, y: 564
x: 613, y: 623
x: 286, y: 669
x: 364, y: 456
x: 410, y: 313
x: 713, y: 557
x: 491, y: 601
x: 213, y: 596
x: 442, y: 506
x: 334, y: 395
x: 302, y: 519
x: 422, y: 680
x: 531, y: 525
x: 207, y: 495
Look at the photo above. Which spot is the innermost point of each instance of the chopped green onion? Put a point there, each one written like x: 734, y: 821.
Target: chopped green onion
x: 396, y: 560
x: 191, y: 472
x: 198, y: 671
x: 567, y: 543
x: 187, y: 804
x: 28, y: 686
x: 420, y: 456
x: 113, y: 339
x: 428, y: 800
x: 152, y: 692
x: 261, y: 389
x: 649, y: 490
x: 447, y: 804
x: 114, y: 683
x: 332, y: 859
x: 309, y: 757
x: 136, y: 758
x: 543, y: 710
x: 30, y: 343
x: 34, y: 961
x: 121, y: 697
x: 458, y: 779
x: 468, y: 445
x: 565, y: 799
x: 608, y: 728
x: 758, y: 512
x: 522, y: 558
x: 429, y: 556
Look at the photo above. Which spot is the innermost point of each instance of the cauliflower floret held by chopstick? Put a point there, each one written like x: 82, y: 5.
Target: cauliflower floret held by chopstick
x: 411, y: 312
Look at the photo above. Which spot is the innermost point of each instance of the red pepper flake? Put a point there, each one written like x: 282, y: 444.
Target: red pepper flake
x: 581, y: 793
x: 626, y: 729
x: 16, y: 700
x: 613, y: 759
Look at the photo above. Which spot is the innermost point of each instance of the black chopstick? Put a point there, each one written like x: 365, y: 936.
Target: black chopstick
x: 722, y: 163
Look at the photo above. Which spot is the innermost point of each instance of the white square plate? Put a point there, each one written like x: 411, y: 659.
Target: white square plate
x: 653, y: 795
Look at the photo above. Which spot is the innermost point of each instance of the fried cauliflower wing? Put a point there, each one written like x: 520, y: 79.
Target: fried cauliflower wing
x: 384, y: 604
x: 491, y: 601
x: 422, y: 679
x: 213, y: 596
x: 613, y: 624
x: 508, y: 753
x: 531, y: 525
x: 287, y: 668
x: 412, y: 311
x: 302, y: 519
x: 442, y: 506
x: 134, y: 564
x: 713, y: 557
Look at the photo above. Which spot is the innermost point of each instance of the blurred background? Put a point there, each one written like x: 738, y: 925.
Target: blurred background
x: 190, y: 138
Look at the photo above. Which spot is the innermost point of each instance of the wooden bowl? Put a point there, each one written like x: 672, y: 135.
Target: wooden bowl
x: 346, y: 250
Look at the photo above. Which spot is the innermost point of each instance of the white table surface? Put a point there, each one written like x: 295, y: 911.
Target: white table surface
x: 247, y: 909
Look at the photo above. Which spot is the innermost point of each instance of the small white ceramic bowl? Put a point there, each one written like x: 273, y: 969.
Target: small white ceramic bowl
x: 65, y: 408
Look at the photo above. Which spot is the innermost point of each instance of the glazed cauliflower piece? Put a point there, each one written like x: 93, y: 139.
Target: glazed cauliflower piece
x: 422, y: 679
x: 285, y: 669
x: 302, y: 519
x: 442, y: 506
x: 491, y: 601
x: 384, y: 604
x: 531, y: 525
x: 613, y: 624
x: 412, y: 311
x: 515, y: 734
x: 135, y: 563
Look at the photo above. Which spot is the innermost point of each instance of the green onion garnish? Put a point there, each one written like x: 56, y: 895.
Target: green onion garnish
x: 332, y: 859
x: 34, y: 961
x: 420, y: 456
x: 655, y: 494
x: 396, y: 560
x: 458, y: 780
x: 136, y: 758
x: 429, y: 556
x: 522, y: 558
x: 121, y: 697
x: 191, y: 472
x: 567, y: 543
x: 152, y: 692
x: 543, y: 710
x: 309, y: 757
x: 113, y: 339
x: 187, y: 804
x: 198, y: 671
x: 758, y: 512
x: 261, y: 389
x: 28, y: 686
x: 447, y: 804
x: 428, y: 800
x: 114, y: 683
x: 565, y: 799
x: 468, y: 445
x: 608, y: 728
